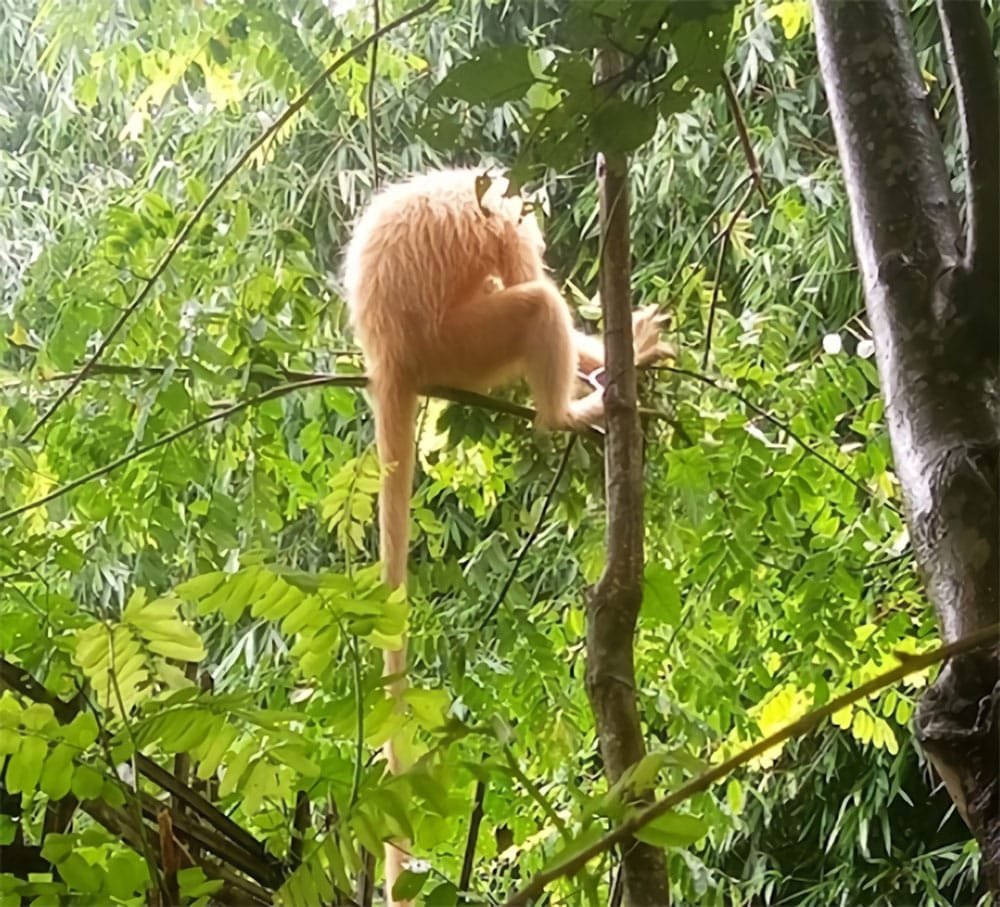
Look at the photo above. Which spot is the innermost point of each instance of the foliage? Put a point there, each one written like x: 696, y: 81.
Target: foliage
x: 214, y: 600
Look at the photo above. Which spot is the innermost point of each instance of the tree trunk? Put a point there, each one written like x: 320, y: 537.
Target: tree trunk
x: 932, y: 296
x: 613, y: 603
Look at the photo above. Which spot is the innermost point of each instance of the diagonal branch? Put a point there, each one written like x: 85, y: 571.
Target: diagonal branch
x: 207, y: 201
x: 530, y: 893
x: 973, y: 66
x: 736, y: 112
x: 727, y: 238
x: 307, y: 380
x: 304, y: 381
x: 810, y: 449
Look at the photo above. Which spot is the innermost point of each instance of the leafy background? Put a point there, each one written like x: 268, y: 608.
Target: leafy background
x: 214, y: 598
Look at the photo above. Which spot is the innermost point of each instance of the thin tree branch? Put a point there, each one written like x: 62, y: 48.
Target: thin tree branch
x: 910, y: 664
x: 237, y: 889
x: 308, y: 380
x: 271, y: 394
x: 301, y: 820
x: 372, y: 73
x: 535, y: 530
x: 705, y: 224
x: 475, y: 820
x: 741, y: 128
x: 318, y: 380
x: 612, y: 82
x: 207, y: 201
x: 727, y: 234
x: 973, y: 65
x: 131, y: 792
x: 775, y: 421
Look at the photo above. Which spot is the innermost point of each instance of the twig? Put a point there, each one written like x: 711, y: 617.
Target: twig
x: 475, y: 820
x: 359, y: 708
x: 550, y: 494
x: 884, y: 562
x: 130, y: 793
x: 118, y: 824
x: 611, y: 82
x: 534, y: 792
x: 318, y: 380
x: 798, y: 728
x: 307, y: 380
x: 206, y: 202
x: 727, y: 233
x: 271, y: 394
x: 774, y: 420
x: 301, y: 819
x: 974, y: 69
x: 716, y: 212
x: 215, y: 843
x: 372, y: 72
x: 741, y: 128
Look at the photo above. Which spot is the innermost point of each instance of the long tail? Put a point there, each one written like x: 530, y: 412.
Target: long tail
x: 395, y: 436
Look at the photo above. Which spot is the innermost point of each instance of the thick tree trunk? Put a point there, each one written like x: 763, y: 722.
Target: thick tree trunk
x: 932, y: 297
x: 613, y: 603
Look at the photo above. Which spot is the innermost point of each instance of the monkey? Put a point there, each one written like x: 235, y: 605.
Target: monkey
x: 446, y: 286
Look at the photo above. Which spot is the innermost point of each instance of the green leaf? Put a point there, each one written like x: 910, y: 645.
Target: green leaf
x: 128, y: 875
x: 293, y: 756
x: 430, y: 707
x: 57, y: 773
x: 735, y: 797
x: 87, y: 783
x: 198, y: 587
x: 55, y: 848
x: 661, y: 599
x: 25, y: 766
x: 674, y: 99
x: 700, y: 41
x: 409, y: 884
x: 79, y: 875
x: 444, y: 895
x: 8, y: 829
x: 195, y: 884
x: 182, y: 647
x: 440, y: 130
x: 673, y: 830
x: 590, y: 835
x: 493, y: 76
x: 621, y: 125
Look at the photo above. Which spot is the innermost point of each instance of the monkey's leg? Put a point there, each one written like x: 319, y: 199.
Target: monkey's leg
x: 527, y: 329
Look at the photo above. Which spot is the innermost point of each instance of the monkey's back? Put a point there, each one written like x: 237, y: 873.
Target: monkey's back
x: 424, y: 246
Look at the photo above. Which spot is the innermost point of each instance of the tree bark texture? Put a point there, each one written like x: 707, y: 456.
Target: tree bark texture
x: 613, y: 604
x: 932, y: 297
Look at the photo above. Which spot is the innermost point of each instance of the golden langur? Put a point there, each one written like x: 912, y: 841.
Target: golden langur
x: 446, y: 286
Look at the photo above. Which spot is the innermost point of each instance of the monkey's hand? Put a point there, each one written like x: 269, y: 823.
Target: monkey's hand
x: 647, y: 342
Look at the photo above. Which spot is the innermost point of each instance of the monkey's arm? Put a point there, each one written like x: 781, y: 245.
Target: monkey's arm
x: 589, y: 352
x: 647, y: 343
